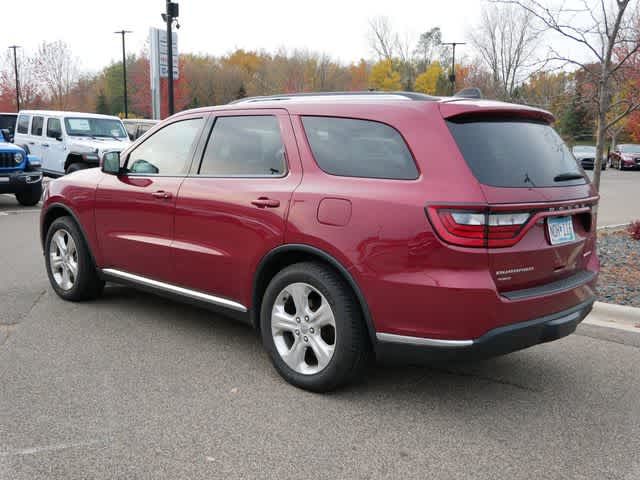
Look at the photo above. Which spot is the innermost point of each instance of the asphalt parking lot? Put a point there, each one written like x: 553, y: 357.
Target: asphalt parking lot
x: 134, y: 386
x: 620, y: 196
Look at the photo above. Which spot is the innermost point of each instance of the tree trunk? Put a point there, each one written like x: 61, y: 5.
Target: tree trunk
x: 603, y: 107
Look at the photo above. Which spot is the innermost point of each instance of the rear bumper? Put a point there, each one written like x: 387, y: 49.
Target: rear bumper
x: 498, y: 341
x: 20, y: 181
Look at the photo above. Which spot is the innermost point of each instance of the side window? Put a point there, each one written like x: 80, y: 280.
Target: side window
x: 23, y: 124
x: 168, y: 151
x: 244, y: 146
x: 53, y: 128
x: 359, y: 148
x: 131, y: 130
x: 36, y: 126
x: 142, y: 129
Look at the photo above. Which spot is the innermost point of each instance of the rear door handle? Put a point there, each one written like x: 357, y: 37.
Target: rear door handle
x: 162, y: 194
x: 32, y: 143
x: 264, y: 202
x: 45, y: 144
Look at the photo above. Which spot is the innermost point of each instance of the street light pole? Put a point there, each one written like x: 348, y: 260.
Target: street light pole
x: 169, y: 16
x: 15, y: 67
x: 452, y: 77
x: 124, y: 71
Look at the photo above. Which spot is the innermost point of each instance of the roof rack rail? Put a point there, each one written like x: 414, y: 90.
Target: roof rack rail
x: 288, y: 96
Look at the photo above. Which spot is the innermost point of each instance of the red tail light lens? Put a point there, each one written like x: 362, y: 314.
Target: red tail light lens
x: 477, y: 228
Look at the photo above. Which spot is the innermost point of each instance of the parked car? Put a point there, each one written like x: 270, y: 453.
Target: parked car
x: 625, y: 156
x: 8, y: 124
x: 136, y: 127
x: 20, y: 174
x: 342, y: 226
x: 69, y: 141
x: 586, y: 155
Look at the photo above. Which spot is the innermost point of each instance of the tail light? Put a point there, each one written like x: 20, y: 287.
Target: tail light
x: 477, y: 228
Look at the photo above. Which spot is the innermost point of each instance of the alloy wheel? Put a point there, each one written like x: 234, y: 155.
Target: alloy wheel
x: 63, y: 259
x: 303, y: 327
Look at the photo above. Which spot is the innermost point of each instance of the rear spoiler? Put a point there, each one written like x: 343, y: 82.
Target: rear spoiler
x: 462, y: 107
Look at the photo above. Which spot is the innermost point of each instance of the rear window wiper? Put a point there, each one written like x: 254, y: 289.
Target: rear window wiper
x: 563, y: 177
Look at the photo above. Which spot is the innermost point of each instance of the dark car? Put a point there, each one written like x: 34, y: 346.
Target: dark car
x: 626, y: 156
x: 342, y: 226
x: 586, y: 156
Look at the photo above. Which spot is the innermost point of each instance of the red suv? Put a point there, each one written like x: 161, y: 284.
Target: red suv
x: 342, y: 226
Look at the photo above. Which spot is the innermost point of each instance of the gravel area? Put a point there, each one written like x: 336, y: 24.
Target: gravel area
x: 619, y: 280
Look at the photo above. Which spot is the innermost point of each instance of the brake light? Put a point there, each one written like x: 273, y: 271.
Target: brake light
x: 477, y: 228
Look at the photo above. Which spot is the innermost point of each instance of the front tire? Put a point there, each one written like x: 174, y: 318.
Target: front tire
x: 70, y: 267
x: 31, y: 197
x: 312, y: 328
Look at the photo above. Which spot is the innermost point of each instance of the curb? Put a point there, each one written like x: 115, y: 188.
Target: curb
x: 611, y: 227
x: 615, y: 316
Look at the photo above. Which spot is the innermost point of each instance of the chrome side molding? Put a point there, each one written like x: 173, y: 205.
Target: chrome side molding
x: 427, y: 342
x: 167, y: 287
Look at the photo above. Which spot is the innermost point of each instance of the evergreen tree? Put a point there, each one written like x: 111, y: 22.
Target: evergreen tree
x: 574, y: 122
x: 101, y: 103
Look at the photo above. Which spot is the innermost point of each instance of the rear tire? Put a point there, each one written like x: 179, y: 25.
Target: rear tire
x: 309, y: 308
x: 30, y: 197
x: 74, y: 167
x: 70, y: 268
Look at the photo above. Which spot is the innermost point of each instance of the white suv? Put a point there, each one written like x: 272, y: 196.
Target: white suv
x: 68, y: 141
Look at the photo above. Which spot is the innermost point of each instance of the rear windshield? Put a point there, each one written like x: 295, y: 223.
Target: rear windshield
x: 515, y: 153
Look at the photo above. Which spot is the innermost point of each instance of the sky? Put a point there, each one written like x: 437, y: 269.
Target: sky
x: 338, y: 28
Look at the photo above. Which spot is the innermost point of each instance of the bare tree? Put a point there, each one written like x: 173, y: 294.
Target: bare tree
x: 382, y: 39
x: 57, y: 71
x: 429, y: 46
x: 609, y: 33
x: 29, y: 87
x: 506, y: 42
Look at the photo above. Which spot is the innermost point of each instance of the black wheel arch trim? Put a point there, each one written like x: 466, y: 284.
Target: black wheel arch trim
x: 43, y: 234
x: 303, y: 248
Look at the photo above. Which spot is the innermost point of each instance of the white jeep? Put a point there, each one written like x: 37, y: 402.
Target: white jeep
x: 68, y: 141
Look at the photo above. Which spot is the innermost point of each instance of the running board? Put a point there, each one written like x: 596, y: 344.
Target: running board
x: 167, y: 287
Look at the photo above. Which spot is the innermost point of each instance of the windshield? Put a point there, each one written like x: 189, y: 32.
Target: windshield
x: 629, y: 148
x: 584, y: 149
x: 514, y: 153
x: 94, y: 127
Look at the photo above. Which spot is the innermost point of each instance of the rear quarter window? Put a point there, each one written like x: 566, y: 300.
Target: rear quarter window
x: 514, y: 153
x: 359, y: 148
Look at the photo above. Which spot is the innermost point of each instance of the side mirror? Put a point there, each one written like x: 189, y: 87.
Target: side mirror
x: 58, y: 136
x: 111, y: 163
x: 6, y: 135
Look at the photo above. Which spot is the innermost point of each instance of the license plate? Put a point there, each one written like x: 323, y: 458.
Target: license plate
x: 560, y: 230
x: 4, y: 179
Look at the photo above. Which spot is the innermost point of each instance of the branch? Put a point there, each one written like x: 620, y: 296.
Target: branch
x: 552, y: 23
x: 630, y: 108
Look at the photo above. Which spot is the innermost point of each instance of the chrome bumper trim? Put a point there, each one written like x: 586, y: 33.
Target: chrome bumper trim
x: 429, y: 342
x: 185, y: 292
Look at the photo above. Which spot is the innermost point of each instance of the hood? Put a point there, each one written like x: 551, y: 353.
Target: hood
x: 86, y: 144
x: 10, y: 147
